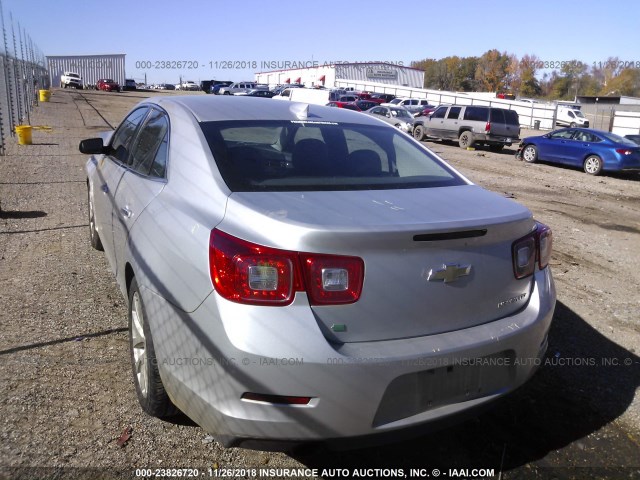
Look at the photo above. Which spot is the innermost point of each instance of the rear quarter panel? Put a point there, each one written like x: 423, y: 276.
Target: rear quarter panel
x: 168, y: 246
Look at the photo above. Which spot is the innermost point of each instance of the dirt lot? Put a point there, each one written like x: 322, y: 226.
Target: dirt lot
x: 66, y: 393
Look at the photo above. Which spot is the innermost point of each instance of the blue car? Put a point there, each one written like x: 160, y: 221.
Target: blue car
x: 593, y: 150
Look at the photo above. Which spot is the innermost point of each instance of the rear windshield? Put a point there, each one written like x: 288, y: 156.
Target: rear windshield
x: 618, y: 139
x: 307, y: 156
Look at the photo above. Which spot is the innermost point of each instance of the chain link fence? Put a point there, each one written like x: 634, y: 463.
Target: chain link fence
x: 23, y: 74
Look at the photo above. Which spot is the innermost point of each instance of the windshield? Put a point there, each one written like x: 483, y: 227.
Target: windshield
x: 579, y: 114
x: 308, y: 156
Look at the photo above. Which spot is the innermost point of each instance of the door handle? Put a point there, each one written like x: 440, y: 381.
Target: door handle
x: 126, y: 213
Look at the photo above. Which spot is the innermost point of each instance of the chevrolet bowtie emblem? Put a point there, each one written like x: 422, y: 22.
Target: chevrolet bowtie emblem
x: 448, y: 273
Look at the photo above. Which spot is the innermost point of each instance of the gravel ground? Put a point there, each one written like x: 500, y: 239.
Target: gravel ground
x: 66, y: 393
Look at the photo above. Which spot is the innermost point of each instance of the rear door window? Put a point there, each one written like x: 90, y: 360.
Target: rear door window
x: 454, y: 113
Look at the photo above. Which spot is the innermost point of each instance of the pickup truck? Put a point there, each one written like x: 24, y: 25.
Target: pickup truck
x: 70, y: 79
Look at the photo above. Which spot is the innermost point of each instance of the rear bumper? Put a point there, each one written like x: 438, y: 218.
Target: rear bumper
x: 495, y: 139
x: 210, y: 357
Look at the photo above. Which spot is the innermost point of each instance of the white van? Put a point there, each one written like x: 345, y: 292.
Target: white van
x: 571, y: 116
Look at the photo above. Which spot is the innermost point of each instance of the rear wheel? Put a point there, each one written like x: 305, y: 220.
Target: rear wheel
x: 152, y: 396
x: 530, y: 154
x: 93, y: 233
x: 465, y: 140
x: 418, y: 132
x: 593, y: 165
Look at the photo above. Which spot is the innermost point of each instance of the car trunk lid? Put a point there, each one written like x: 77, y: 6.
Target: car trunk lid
x: 436, y: 259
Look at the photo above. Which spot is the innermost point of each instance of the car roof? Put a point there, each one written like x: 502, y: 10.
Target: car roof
x: 224, y: 108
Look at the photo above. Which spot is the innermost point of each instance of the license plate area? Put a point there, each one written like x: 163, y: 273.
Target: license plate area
x: 460, y: 381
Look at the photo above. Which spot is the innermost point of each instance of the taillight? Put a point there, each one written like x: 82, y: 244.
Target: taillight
x: 487, y: 127
x: 623, y: 151
x: 331, y: 279
x: 535, y: 247
x: 545, y: 244
x: 249, y: 273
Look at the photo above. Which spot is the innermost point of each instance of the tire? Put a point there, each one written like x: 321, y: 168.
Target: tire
x: 94, y: 237
x: 152, y: 396
x: 593, y: 165
x: 530, y: 154
x: 573, y: 125
x: 466, y: 140
x: 418, y: 132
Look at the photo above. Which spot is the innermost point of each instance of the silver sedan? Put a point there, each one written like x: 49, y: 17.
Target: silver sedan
x: 302, y: 273
x: 399, y: 117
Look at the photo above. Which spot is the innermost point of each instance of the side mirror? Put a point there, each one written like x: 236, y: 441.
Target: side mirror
x: 93, y: 146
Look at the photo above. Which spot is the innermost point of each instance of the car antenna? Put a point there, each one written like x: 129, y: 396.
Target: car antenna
x: 300, y: 110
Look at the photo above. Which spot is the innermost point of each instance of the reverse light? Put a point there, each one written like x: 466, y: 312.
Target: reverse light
x: 331, y: 279
x: 532, y: 248
x: 253, y: 274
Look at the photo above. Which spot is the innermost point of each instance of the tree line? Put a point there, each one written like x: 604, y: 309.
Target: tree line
x: 531, y: 76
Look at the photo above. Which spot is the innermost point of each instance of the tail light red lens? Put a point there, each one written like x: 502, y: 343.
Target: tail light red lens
x: 535, y: 247
x: 253, y: 274
x: 487, y: 127
x: 331, y: 279
x: 545, y: 245
x: 623, y: 151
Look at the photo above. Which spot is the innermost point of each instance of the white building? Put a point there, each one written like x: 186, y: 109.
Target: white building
x: 90, y: 67
x: 359, y: 75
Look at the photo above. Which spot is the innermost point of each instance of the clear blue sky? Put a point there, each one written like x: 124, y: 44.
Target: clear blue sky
x: 261, y: 31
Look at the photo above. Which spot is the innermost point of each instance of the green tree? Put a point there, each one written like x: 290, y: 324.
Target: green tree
x: 491, y: 72
x: 627, y: 83
x: 529, y: 84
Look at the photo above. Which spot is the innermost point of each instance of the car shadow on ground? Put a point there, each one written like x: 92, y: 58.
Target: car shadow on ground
x: 633, y: 175
x: 22, y: 214
x: 585, y: 382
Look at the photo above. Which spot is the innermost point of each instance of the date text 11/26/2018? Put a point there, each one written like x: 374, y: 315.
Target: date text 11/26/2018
x: 245, y: 64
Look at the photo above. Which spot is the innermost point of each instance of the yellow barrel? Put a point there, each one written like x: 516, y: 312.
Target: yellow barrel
x: 24, y: 134
x: 44, y: 95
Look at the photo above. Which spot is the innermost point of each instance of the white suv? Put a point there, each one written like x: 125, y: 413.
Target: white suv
x: 238, y: 87
x: 70, y: 79
x: 414, y: 105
